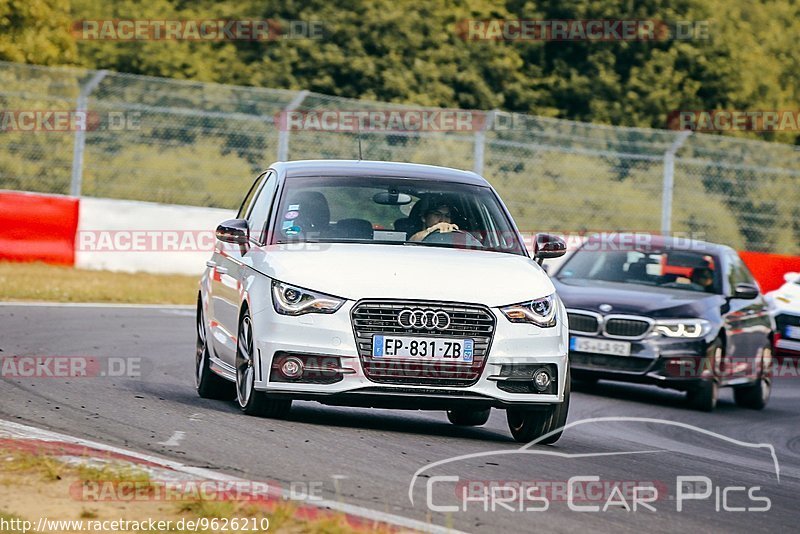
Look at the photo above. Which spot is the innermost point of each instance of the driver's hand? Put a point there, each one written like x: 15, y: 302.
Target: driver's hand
x: 443, y: 227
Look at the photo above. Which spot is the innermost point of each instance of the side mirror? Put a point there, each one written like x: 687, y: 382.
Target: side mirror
x: 233, y: 231
x: 745, y: 291
x: 548, y: 246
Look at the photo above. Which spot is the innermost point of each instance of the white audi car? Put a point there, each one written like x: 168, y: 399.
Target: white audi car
x: 389, y: 285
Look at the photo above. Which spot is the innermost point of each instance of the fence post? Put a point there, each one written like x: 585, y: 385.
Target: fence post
x: 76, y: 182
x: 478, y: 150
x: 283, y: 130
x: 669, y: 181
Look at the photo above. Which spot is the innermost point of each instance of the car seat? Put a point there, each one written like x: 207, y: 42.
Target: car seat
x: 314, y: 217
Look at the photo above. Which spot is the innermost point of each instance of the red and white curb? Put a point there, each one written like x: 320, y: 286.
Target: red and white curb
x: 74, y: 450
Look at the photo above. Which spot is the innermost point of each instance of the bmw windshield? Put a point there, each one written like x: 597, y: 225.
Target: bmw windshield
x: 673, y: 269
x: 398, y: 211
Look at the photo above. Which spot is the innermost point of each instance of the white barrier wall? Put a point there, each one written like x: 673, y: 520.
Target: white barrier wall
x: 125, y: 235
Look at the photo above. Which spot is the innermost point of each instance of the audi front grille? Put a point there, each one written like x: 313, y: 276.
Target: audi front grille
x: 467, y: 321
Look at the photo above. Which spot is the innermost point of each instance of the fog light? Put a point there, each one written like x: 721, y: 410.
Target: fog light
x: 541, y: 379
x: 292, y: 367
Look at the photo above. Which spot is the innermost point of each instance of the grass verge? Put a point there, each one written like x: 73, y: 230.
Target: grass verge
x: 35, y: 485
x: 39, y: 281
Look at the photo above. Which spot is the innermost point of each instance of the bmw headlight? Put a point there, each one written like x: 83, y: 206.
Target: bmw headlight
x: 691, y: 328
x: 541, y: 312
x: 291, y: 300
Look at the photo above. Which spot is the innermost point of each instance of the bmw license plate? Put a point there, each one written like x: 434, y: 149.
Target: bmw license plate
x: 423, y: 348
x: 599, y: 346
x: 793, y: 332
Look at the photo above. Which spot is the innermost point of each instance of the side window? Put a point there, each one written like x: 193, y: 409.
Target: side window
x: 258, y: 213
x: 745, y: 273
x: 248, y: 199
x: 738, y: 272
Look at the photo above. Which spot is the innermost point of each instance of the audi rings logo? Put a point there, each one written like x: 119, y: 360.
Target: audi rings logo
x: 427, y: 319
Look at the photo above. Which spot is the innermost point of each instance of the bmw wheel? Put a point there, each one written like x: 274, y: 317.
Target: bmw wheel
x: 756, y: 395
x: 704, y: 396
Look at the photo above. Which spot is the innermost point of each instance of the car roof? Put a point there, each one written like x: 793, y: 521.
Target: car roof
x: 332, y: 167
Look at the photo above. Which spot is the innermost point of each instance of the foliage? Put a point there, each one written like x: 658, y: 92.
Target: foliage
x: 400, y: 51
x: 36, y: 31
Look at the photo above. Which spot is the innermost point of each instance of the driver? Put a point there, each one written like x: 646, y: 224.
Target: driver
x: 703, y: 277
x: 435, y: 219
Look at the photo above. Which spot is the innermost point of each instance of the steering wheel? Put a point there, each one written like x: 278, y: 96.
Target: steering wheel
x: 458, y: 238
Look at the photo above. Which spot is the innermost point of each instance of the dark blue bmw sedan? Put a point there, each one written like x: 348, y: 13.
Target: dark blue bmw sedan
x: 673, y: 312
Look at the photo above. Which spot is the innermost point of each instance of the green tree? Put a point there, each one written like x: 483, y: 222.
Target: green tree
x: 36, y: 31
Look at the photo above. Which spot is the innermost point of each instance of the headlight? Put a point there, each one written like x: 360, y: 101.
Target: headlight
x: 541, y: 312
x: 291, y: 300
x: 682, y: 327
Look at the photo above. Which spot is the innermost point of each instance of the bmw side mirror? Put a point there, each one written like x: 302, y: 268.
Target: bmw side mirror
x: 548, y: 246
x: 745, y: 291
x: 233, y: 231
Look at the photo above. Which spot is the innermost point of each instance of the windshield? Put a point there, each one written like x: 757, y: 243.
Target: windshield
x: 394, y: 211
x: 673, y: 269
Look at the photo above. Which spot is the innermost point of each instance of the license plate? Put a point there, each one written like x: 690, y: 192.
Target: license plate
x: 423, y: 348
x: 600, y: 346
x: 793, y: 332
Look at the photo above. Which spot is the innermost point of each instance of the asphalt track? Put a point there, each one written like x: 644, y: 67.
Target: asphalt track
x: 369, y: 457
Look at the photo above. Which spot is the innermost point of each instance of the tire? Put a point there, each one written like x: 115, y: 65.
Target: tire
x: 251, y: 401
x: 209, y: 384
x: 756, y: 395
x: 704, y: 396
x: 469, y: 417
x: 527, y: 426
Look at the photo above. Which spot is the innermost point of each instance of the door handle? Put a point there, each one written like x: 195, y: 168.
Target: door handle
x: 211, y: 264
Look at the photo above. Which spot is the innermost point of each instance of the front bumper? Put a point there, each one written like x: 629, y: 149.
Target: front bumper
x: 331, y: 338
x: 667, y: 362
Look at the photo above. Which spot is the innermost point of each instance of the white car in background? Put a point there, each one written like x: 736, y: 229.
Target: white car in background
x: 785, y: 307
x: 329, y: 287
